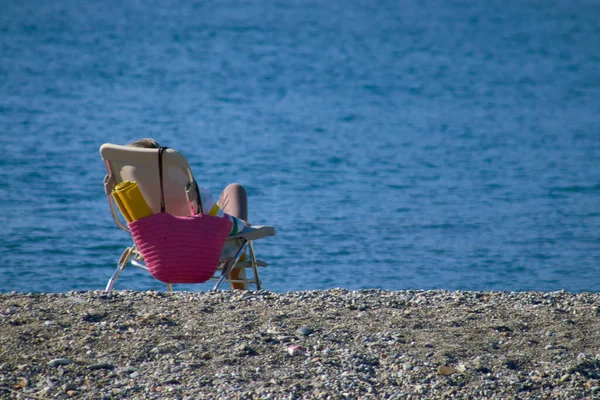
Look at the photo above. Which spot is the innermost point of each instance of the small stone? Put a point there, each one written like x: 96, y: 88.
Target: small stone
x: 128, y: 370
x: 295, y: 350
x: 304, y: 331
x: 588, y: 384
x: 407, y: 366
x: 284, y: 338
x: 22, y: 382
x: 478, y: 365
x: 69, y: 387
x: 59, y: 361
x: 549, y: 347
x: 535, y: 375
x: 101, y: 365
x: 565, y: 378
x: 245, y: 350
x: 446, y: 371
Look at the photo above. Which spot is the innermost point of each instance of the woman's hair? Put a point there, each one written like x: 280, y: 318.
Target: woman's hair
x: 145, y: 143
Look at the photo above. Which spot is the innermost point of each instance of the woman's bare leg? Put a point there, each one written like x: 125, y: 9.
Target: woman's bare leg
x: 234, y: 201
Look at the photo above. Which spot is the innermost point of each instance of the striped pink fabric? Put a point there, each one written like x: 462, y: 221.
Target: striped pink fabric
x: 181, y: 249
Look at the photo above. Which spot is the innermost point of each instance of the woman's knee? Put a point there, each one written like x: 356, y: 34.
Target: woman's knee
x: 236, y: 189
x: 234, y: 201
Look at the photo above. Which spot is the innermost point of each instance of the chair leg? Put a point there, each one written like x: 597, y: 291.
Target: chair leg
x: 254, y: 266
x: 123, y: 260
x: 229, y: 265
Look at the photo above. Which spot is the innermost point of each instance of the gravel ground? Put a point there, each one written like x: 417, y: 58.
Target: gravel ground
x: 318, y: 344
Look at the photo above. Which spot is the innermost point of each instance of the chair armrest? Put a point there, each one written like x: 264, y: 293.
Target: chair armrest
x: 254, y: 232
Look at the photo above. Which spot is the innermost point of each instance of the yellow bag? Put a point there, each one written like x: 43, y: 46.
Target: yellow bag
x: 131, y: 202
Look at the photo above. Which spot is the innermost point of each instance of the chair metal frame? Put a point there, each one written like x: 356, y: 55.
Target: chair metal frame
x: 234, y: 246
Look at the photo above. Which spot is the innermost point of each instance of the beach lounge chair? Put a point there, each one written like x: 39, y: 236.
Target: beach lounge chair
x: 140, y: 165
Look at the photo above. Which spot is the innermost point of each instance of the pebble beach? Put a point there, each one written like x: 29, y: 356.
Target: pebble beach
x: 332, y: 344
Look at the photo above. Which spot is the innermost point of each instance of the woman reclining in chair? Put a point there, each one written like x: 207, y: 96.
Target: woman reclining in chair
x: 232, y: 204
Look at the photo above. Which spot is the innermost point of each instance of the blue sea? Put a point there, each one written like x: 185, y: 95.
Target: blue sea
x: 414, y: 144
